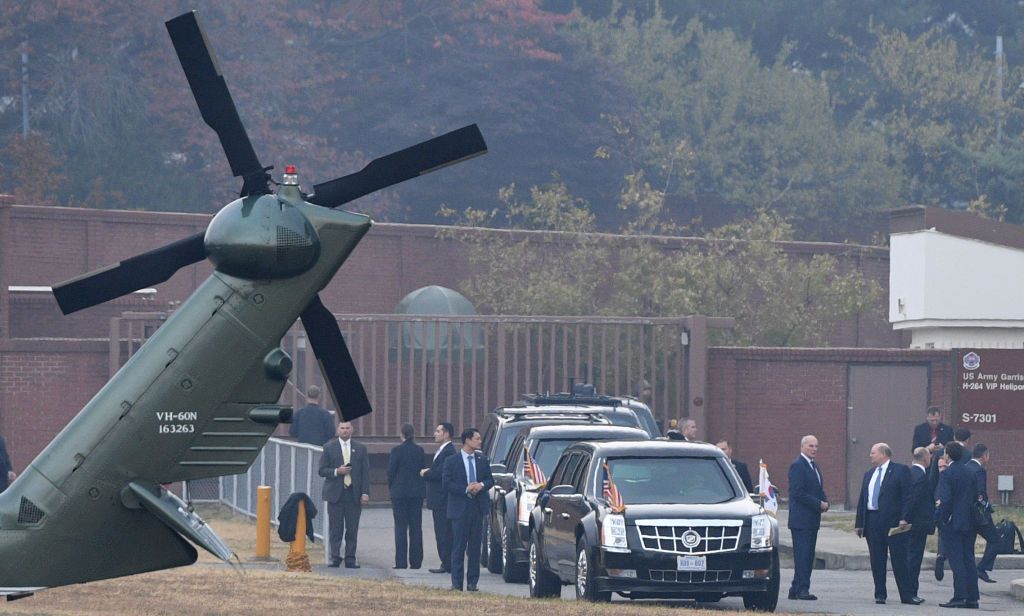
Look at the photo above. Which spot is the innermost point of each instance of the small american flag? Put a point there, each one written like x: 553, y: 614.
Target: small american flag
x: 532, y: 469
x: 611, y: 492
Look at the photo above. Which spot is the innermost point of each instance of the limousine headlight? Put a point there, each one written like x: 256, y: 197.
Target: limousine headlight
x: 760, y: 532
x: 613, y: 533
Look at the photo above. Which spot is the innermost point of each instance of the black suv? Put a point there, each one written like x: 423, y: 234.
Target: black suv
x: 502, y: 424
x: 689, y: 529
x: 515, y: 491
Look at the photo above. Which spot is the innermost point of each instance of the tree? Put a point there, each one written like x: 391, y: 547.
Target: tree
x: 739, y: 270
x: 33, y: 175
x: 761, y: 136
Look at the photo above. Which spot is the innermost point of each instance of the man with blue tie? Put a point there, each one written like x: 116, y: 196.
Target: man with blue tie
x: 807, y: 501
x: 956, y: 495
x: 884, y: 504
x: 467, y: 478
x: 922, y: 515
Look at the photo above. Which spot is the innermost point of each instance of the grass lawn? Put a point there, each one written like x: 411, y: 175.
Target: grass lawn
x: 211, y: 589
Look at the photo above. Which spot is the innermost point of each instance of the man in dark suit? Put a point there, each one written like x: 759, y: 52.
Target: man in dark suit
x: 312, y: 424
x: 922, y: 516
x: 962, y: 436
x: 406, y: 487
x: 741, y: 468
x: 466, y: 479
x: 437, y: 498
x: 979, y: 460
x: 807, y: 501
x: 956, y: 495
x: 884, y: 504
x: 7, y: 475
x: 932, y: 433
x: 345, y: 466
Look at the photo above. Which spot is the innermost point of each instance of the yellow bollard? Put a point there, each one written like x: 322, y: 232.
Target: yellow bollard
x: 299, y: 545
x: 297, y: 559
x: 263, y: 522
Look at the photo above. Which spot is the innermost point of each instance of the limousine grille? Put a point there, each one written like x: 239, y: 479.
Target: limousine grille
x: 690, y: 536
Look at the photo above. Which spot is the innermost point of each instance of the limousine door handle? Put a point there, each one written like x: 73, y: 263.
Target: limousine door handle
x: 564, y: 516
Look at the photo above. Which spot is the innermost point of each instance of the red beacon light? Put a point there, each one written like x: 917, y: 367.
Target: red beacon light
x: 291, y: 176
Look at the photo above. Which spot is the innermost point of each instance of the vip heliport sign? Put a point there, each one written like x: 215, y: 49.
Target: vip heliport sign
x: 989, y: 390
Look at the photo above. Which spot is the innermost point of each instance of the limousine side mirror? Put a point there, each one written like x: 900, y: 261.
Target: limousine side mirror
x: 498, y: 468
x: 563, y: 490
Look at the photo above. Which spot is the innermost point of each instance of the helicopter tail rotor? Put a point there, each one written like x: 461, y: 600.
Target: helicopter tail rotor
x: 420, y: 159
x: 335, y: 361
x: 138, y: 272
x: 215, y: 103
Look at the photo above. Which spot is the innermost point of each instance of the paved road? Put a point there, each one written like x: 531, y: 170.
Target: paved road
x: 839, y: 591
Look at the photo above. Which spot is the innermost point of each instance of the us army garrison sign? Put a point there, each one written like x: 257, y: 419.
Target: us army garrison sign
x: 989, y: 390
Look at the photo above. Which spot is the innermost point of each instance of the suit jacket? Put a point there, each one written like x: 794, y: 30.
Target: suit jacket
x: 455, y: 482
x: 894, y: 497
x: 437, y: 498
x: 980, y: 477
x: 923, y: 435
x: 956, y: 494
x: 312, y: 425
x: 806, y: 494
x: 922, y: 501
x: 404, y: 466
x: 741, y: 470
x: 5, y: 464
x: 332, y: 459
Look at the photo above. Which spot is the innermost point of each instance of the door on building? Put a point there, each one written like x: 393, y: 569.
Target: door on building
x: 886, y: 402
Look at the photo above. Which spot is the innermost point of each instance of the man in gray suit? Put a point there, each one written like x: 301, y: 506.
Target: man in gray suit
x: 345, y: 466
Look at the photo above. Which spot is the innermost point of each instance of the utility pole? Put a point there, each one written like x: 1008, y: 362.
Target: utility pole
x: 999, y: 88
x: 24, y: 88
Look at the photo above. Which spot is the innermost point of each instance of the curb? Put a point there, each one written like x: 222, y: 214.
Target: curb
x: 862, y: 562
x: 1017, y: 588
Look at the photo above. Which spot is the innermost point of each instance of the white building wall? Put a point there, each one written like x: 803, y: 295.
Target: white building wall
x: 952, y: 291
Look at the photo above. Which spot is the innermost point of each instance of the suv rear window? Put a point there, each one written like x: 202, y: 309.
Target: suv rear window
x: 676, y: 480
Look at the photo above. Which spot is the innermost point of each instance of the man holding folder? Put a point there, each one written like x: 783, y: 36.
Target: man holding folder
x: 882, y: 513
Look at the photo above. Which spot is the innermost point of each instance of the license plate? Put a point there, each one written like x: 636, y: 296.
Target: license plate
x: 692, y: 563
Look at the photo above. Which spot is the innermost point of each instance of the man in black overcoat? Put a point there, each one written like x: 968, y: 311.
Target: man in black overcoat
x: 922, y: 515
x: 407, y: 489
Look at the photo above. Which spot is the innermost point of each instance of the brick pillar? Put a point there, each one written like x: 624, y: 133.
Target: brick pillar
x: 5, y: 301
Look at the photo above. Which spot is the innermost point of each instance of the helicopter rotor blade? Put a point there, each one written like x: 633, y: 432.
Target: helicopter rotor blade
x: 138, y: 272
x: 214, y: 101
x: 335, y: 361
x: 420, y: 159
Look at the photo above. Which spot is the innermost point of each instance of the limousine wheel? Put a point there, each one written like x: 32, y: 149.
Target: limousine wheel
x: 542, y: 582
x: 586, y: 588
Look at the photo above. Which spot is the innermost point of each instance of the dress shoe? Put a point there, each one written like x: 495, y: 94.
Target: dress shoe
x: 414, y: 567
x: 792, y: 595
x: 880, y: 600
x: 971, y: 605
x: 439, y: 570
x: 456, y: 588
x: 806, y: 596
x: 352, y: 565
x: 472, y: 588
x: 983, y: 576
x: 954, y: 603
x: 940, y: 567
x: 399, y: 567
x: 335, y: 562
x: 914, y: 601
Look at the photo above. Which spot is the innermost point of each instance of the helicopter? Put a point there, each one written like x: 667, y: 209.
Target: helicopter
x: 200, y: 398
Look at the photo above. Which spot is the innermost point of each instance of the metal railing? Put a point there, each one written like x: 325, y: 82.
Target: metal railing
x: 287, y: 467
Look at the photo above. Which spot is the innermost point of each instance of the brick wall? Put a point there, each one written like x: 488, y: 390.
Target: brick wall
x: 43, y: 384
x: 763, y: 400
